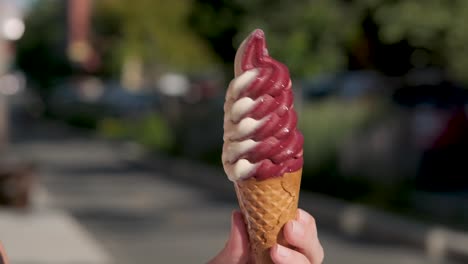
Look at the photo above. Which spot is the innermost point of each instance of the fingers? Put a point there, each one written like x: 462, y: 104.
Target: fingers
x: 3, y: 258
x: 238, y: 244
x: 236, y: 250
x: 302, y: 234
x: 284, y: 255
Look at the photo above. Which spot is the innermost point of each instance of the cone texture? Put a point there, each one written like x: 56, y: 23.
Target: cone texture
x: 267, y: 205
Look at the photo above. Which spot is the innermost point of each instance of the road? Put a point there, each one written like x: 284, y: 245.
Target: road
x: 142, y: 215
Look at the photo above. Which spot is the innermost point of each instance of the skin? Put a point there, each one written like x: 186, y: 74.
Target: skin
x: 3, y: 259
x: 301, y: 233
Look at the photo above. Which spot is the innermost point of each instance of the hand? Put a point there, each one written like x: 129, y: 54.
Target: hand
x: 300, y: 233
x: 237, y: 249
x: 3, y: 258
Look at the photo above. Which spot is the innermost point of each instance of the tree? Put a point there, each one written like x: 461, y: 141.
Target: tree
x: 218, y: 22
x: 308, y: 35
x: 153, y: 30
x: 41, y: 51
x: 436, y: 28
x: 319, y: 36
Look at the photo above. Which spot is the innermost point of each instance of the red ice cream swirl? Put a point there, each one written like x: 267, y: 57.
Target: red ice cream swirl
x: 279, y: 148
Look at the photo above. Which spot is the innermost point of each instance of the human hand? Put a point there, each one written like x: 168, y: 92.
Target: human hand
x: 300, y: 233
x: 237, y: 249
x: 3, y: 258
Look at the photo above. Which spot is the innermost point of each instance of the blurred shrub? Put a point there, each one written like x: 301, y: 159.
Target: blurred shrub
x: 113, y: 128
x: 151, y: 131
x: 326, y: 124
x: 82, y: 121
x: 152, y: 32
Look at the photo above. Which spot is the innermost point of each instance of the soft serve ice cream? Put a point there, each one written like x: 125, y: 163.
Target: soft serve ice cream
x: 260, y: 135
x: 262, y: 151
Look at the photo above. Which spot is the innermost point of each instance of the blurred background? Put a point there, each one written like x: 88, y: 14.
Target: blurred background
x: 111, y: 117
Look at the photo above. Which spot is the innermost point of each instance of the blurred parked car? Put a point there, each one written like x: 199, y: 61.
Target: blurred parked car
x: 347, y: 85
x: 92, y: 97
x: 118, y: 101
x: 420, y: 136
x: 440, y: 127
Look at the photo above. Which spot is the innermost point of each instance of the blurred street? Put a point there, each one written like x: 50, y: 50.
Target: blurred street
x: 139, y: 215
x: 114, y: 118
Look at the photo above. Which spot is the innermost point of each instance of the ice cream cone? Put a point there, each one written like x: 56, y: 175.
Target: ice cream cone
x: 267, y: 205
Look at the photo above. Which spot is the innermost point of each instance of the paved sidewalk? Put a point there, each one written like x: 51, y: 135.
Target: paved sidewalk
x: 44, y: 235
x: 142, y: 215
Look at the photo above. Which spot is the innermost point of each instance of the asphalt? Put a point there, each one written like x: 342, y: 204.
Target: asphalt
x: 159, y: 214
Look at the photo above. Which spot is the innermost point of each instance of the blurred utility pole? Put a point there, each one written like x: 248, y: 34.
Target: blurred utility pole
x: 79, y: 47
x: 5, y: 59
x: 11, y: 29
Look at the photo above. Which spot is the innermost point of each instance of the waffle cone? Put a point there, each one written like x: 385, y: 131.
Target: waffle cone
x: 267, y: 205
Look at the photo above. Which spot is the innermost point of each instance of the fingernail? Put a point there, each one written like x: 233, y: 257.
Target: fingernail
x: 297, y: 228
x: 282, y: 251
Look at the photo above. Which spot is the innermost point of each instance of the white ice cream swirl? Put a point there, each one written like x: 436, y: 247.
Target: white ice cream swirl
x: 236, y: 128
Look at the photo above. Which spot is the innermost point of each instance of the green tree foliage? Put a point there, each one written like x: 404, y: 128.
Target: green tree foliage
x: 436, y: 27
x: 218, y: 21
x: 41, y: 51
x: 309, y: 36
x: 321, y: 35
x: 154, y: 30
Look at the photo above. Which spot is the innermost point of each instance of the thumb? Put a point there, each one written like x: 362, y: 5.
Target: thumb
x: 236, y: 250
